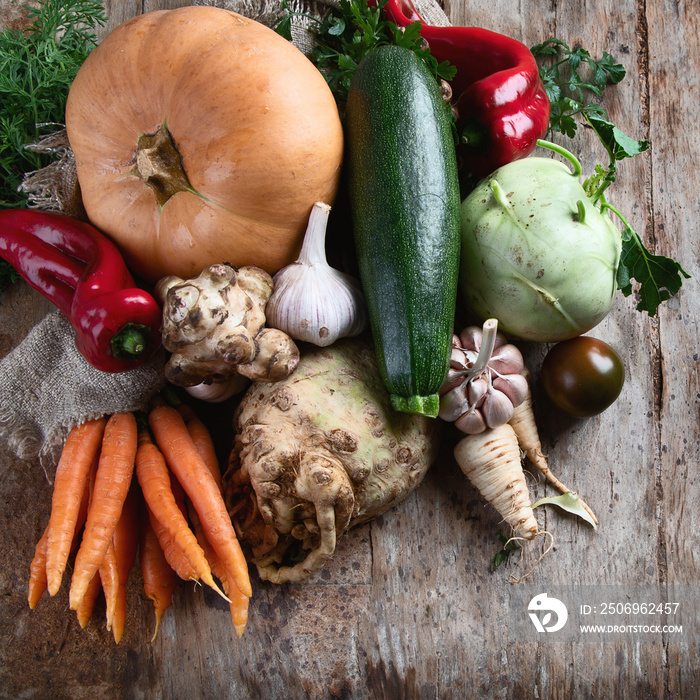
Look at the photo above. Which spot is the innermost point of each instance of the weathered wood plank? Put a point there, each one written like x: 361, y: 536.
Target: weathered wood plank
x: 674, y: 112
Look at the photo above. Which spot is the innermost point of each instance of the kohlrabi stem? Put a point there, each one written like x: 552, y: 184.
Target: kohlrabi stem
x: 607, y: 181
x: 630, y: 231
x: 501, y: 197
x: 562, y: 152
x: 614, y: 210
x: 313, y: 249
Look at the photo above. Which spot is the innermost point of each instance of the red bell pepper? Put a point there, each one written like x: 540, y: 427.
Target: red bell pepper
x: 502, y: 108
x: 117, y: 325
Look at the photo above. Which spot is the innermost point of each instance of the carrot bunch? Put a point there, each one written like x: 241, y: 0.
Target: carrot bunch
x: 172, y: 517
x: 182, y: 443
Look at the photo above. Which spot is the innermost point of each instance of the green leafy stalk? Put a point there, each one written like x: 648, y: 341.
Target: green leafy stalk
x: 350, y: 32
x: 37, y: 67
x: 658, y: 277
x: 618, y: 146
x: 571, y: 77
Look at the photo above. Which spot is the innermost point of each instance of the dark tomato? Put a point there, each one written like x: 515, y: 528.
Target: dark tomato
x: 583, y: 376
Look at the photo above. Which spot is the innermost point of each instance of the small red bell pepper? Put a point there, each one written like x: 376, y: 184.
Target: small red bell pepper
x: 117, y: 325
x: 502, y: 108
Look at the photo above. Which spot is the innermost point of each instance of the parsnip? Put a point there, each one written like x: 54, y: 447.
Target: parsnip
x: 491, y: 462
x: 523, y: 423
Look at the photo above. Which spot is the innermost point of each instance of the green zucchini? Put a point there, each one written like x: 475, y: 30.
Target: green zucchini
x: 405, y: 205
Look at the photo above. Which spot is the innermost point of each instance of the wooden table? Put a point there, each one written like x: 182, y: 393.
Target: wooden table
x: 410, y: 607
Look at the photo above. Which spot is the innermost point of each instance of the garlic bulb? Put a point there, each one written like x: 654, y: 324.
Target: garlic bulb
x: 484, y: 383
x: 311, y: 300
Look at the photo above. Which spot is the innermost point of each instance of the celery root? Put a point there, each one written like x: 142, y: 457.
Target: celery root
x: 318, y: 453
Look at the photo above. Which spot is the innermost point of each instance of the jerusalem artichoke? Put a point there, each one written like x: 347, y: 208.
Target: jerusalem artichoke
x: 214, y: 326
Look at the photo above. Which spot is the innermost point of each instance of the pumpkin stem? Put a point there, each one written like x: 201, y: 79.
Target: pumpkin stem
x: 159, y: 165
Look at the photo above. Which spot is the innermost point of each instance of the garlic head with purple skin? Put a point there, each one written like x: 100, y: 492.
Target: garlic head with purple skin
x: 484, y: 383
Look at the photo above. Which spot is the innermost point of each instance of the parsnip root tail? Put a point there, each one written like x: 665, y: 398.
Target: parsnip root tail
x: 523, y: 423
x: 519, y: 579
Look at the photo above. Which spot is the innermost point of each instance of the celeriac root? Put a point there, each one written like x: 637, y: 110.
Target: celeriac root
x: 491, y: 461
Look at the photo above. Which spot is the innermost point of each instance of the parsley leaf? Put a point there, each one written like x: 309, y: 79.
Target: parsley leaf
x: 350, y: 32
x: 571, y: 78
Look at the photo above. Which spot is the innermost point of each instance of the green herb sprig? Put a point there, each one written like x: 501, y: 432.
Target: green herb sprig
x: 37, y: 67
x: 350, y: 32
x: 571, y: 79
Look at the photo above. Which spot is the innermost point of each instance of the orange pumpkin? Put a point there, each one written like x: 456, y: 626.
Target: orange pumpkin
x: 201, y: 136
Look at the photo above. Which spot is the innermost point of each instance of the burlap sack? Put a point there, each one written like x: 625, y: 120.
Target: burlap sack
x: 46, y: 387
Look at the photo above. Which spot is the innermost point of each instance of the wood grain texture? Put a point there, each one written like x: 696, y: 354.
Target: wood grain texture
x: 409, y: 607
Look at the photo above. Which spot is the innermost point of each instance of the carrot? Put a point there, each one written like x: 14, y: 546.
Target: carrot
x: 238, y: 608
x: 125, y: 540
x: 202, y: 440
x: 184, y: 460
x: 158, y: 490
x: 175, y: 557
x: 38, y: 581
x: 83, y: 508
x: 239, y: 603
x: 212, y: 557
x: 205, y: 446
x: 525, y: 427
x: 79, y: 451
x: 37, y: 572
x: 112, y: 482
x: 109, y: 577
x: 491, y: 461
x: 87, y: 604
x: 159, y: 580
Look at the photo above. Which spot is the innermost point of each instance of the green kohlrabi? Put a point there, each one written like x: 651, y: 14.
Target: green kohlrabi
x: 536, y: 253
x: 541, y: 254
